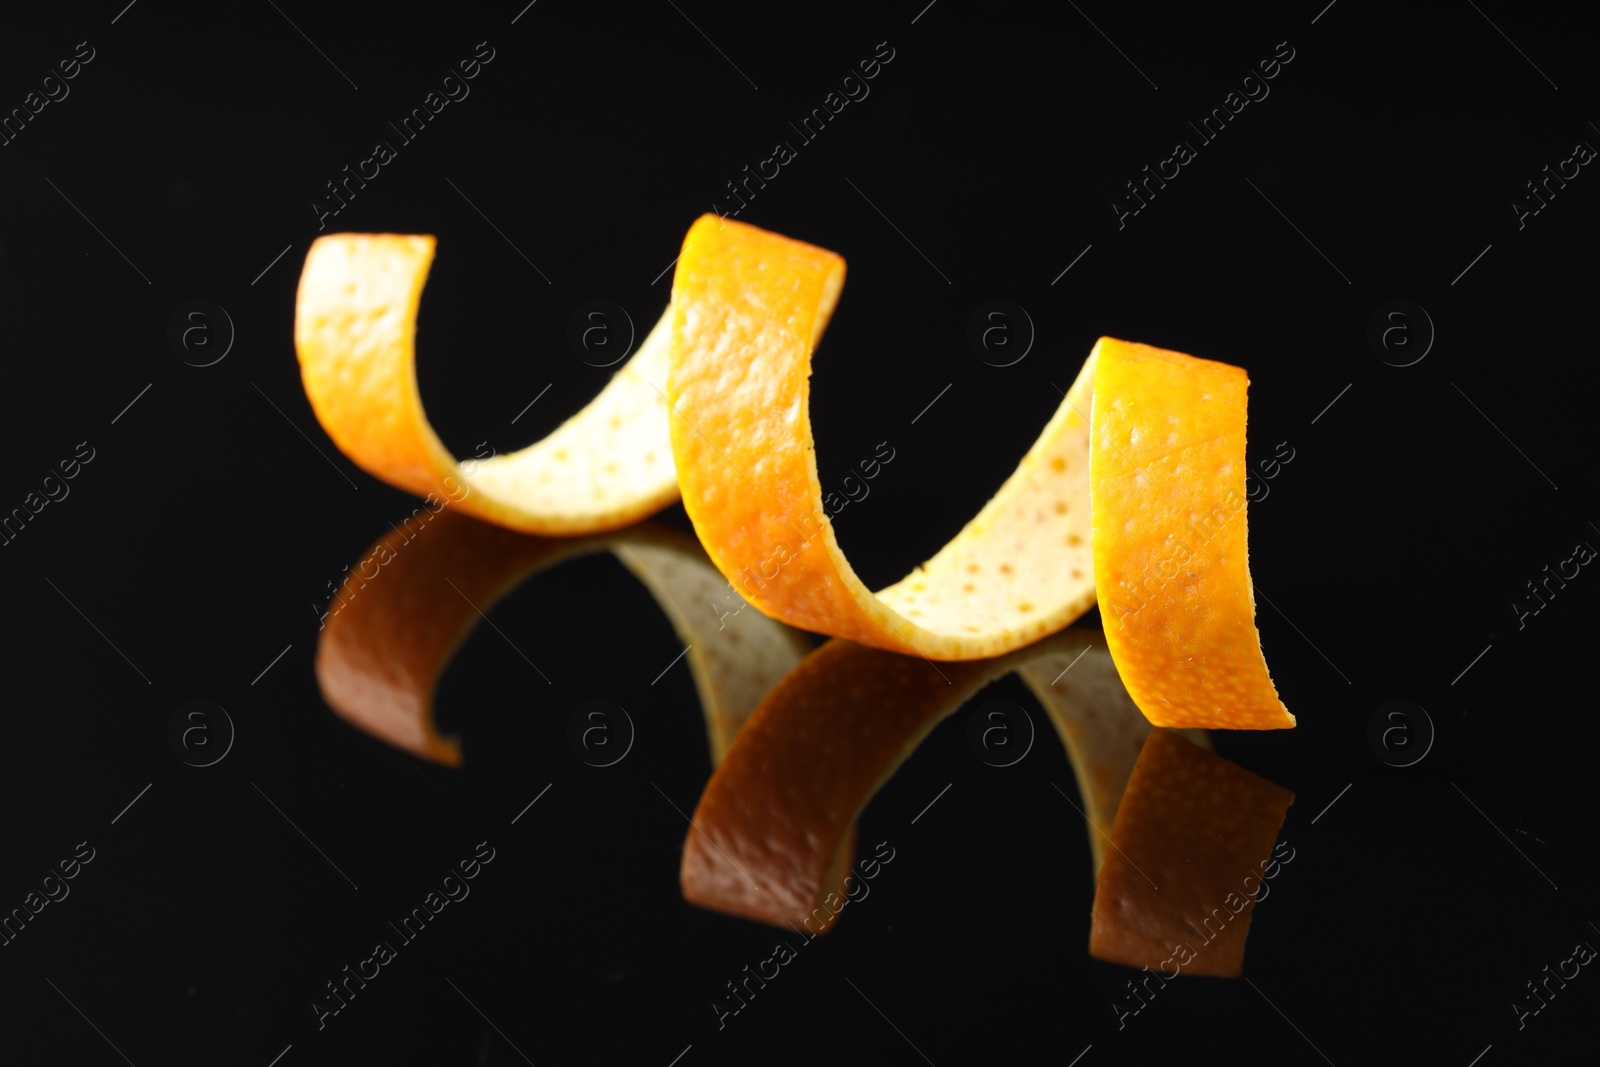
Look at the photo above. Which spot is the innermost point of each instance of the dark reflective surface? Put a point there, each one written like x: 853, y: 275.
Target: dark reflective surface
x: 174, y: 521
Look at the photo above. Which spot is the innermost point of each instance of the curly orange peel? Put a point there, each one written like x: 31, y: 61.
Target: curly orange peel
x: 747, y: 309
x: 355, y: 328
x: 1148, y: 443
x: 1171, y: 566
x: 1135, y: 487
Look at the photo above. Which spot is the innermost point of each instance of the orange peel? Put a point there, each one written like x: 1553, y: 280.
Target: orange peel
x: 774, y: 833
x: 1133, y: 491
x: 384, y: 645
x: 355, y: 331
x: 1172, y: 570
x: 1144, y: 445
x: 748, y: 308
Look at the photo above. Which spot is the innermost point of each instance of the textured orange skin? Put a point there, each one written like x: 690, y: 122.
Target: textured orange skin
x: 359, y: 380
x: 756, y: 496
x: 1165, y: 460
x: 748, y: 308
x: 355, y: 334
x: 1199, y: 827
x: 1171, y: 567
x: 1166, y: 476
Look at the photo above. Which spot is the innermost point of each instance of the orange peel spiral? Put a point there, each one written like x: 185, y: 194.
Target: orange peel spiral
x: 1133, y: 491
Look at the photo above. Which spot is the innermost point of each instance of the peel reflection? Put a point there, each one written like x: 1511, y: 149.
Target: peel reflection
x: 388, y: 638
x: 801, y: 742
x: 774, y: 832
x: 1192, y: 834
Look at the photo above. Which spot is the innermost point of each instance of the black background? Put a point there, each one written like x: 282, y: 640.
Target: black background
x: 201, y: 538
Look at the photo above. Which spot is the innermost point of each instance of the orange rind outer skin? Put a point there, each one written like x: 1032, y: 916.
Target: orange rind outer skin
x: 769, y: 517
x: 748, y: 308
x: 1159, y: 465
x: 357, y: 378
x: 1172, y: 569
x: 355, y: 335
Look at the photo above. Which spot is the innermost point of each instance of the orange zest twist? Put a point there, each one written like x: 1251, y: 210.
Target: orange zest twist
x: 355, y: 331
x: 1134, y: 488
x: 1149, y: 443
